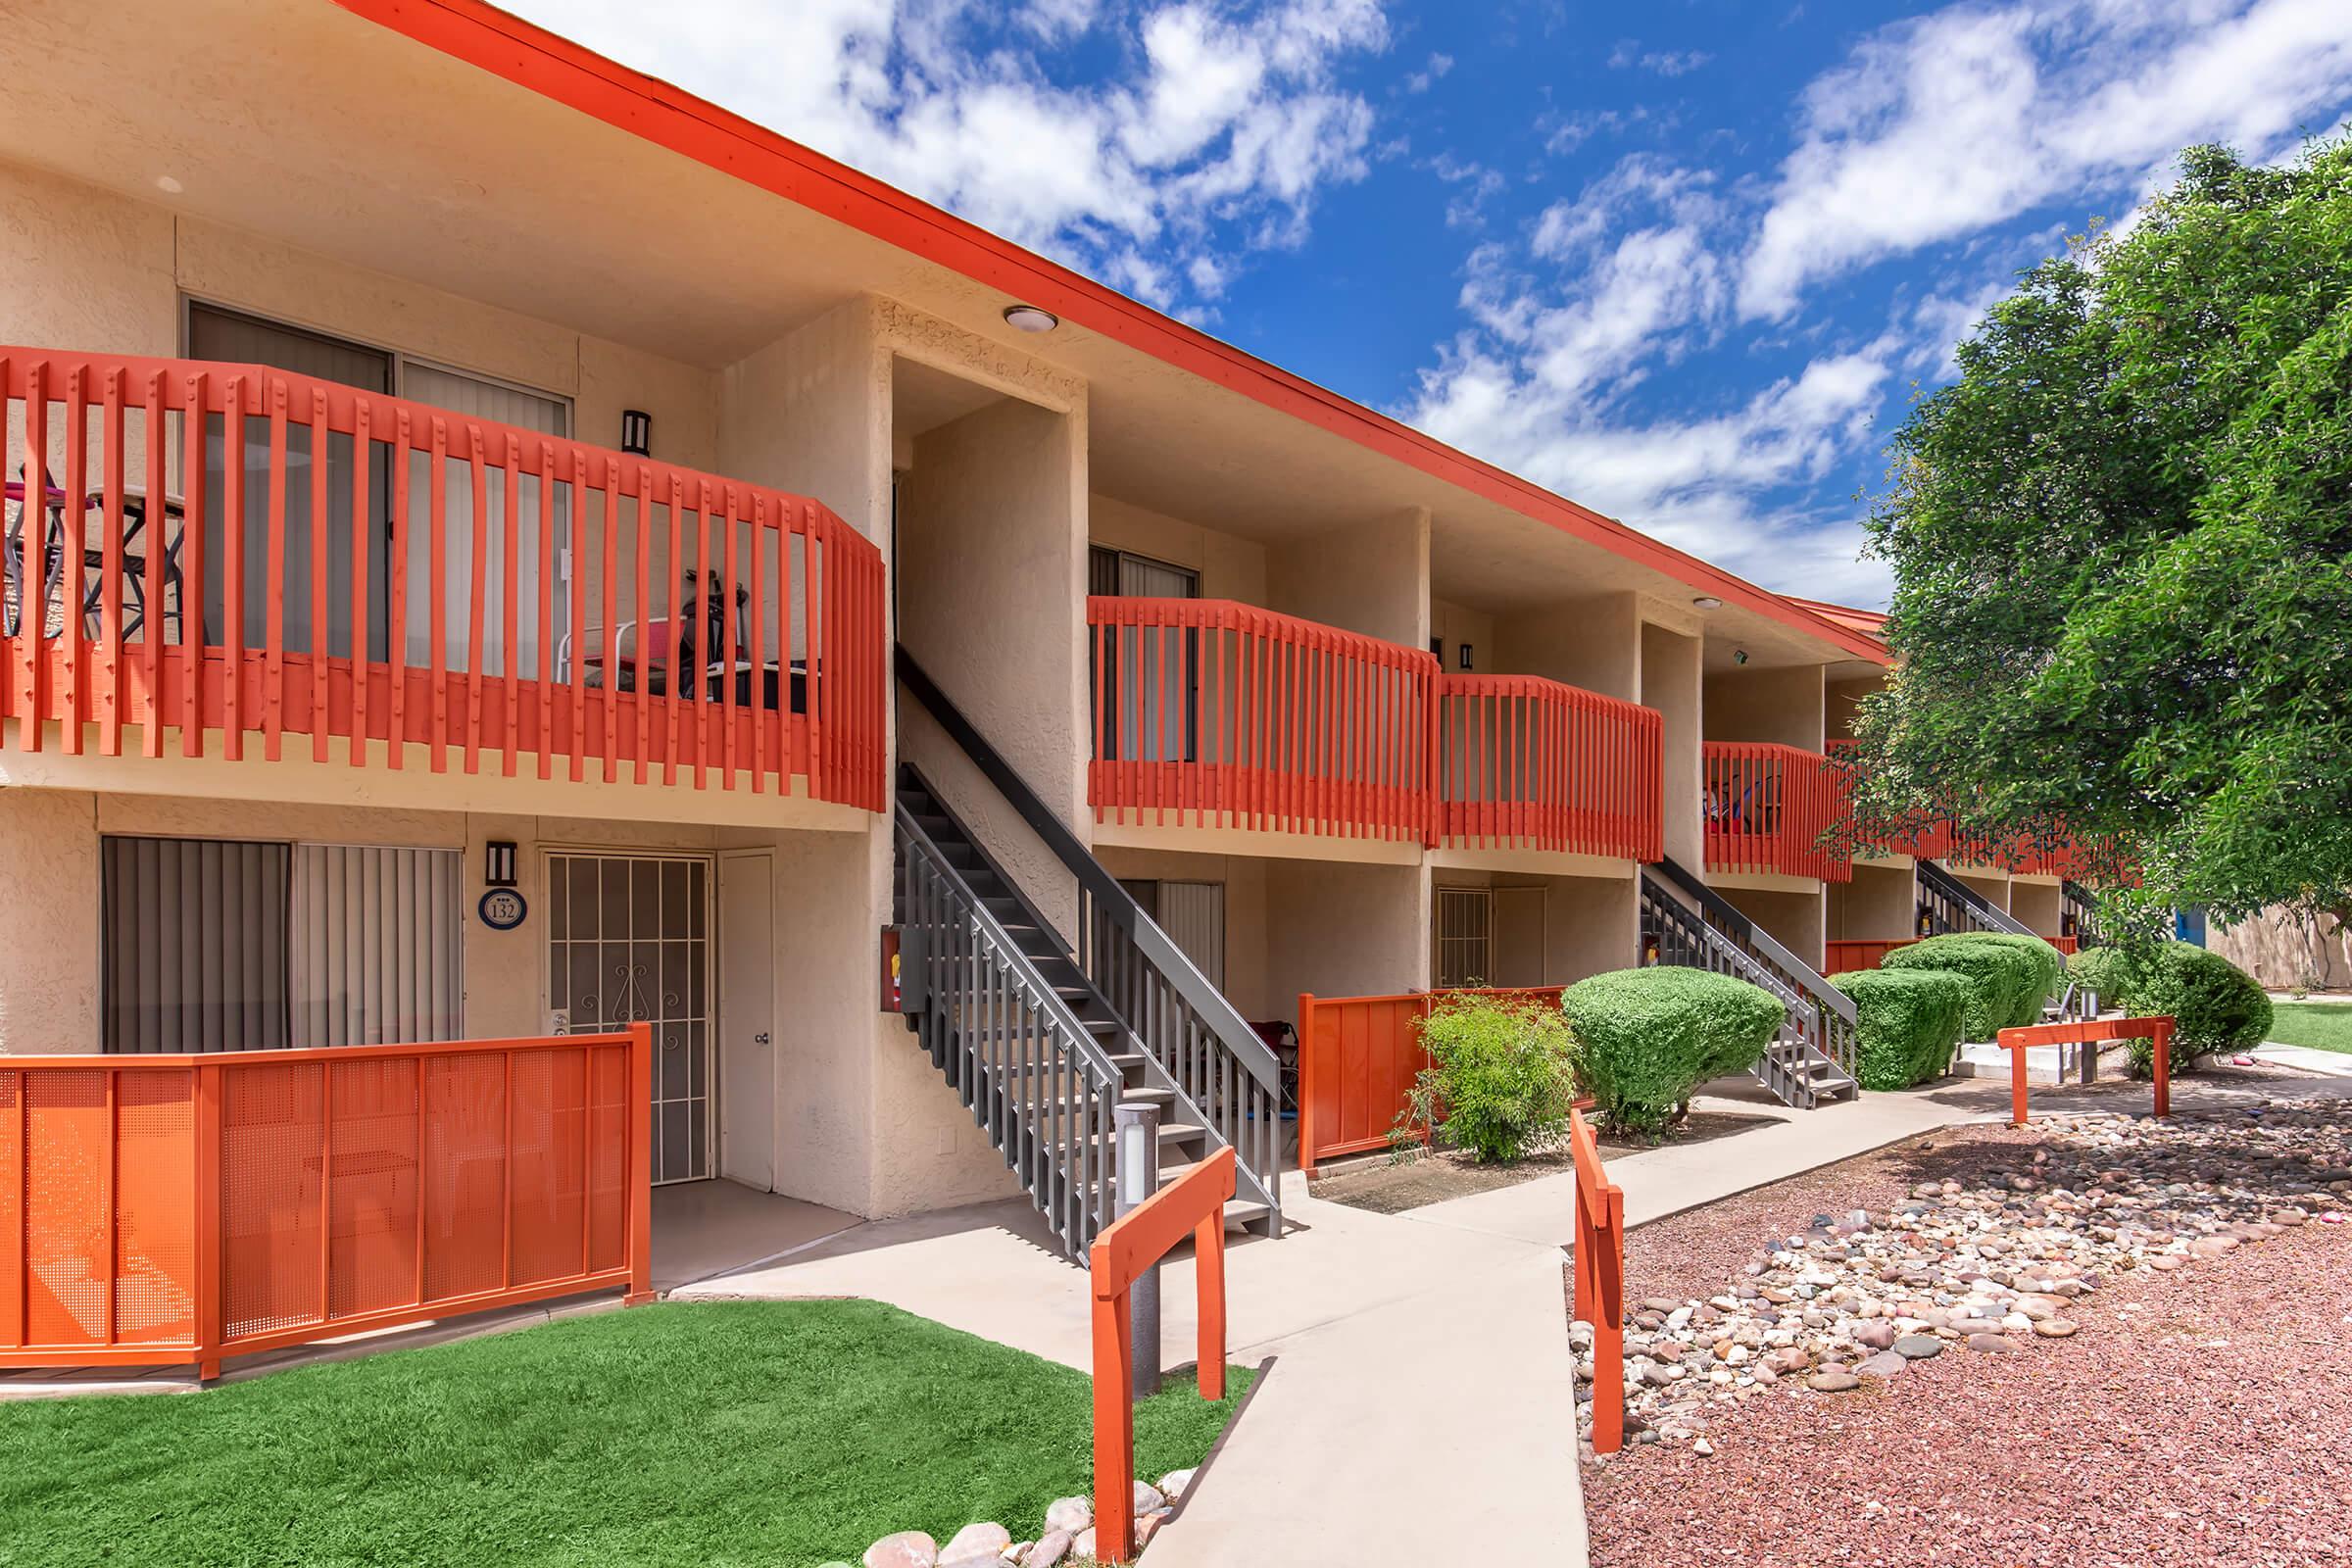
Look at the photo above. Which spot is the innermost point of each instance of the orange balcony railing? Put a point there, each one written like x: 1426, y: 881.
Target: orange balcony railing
x: 1223, y: 714
x: 1766, y: 807
x: 175, y: 1209
x: 232, y: 550
x: 1526, y: 762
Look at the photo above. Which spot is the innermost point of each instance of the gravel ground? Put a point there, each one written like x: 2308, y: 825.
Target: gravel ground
x: 2198, y: 1417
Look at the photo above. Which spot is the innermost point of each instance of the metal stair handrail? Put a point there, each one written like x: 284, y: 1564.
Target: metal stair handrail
x: 1214, y: 1061
x: 1685, y: 936
x: 1955, y: 891
x: 1061, y: 1150
x: 1725, y: 918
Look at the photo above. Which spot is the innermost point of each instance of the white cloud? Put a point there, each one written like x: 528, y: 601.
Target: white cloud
x: 1428, y: 75
x: 1216, y: 139
x: 1941, y: 126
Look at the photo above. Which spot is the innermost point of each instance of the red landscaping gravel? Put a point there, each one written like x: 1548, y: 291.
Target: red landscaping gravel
x: 2199, y: 1417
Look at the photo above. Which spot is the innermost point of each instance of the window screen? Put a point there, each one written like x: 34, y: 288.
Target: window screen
x: 377, y: 946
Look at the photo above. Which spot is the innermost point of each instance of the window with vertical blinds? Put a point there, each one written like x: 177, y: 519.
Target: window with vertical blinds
x: 221, y: 945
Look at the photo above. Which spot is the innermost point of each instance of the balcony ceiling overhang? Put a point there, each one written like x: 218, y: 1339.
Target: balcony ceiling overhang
x: 508, y: 166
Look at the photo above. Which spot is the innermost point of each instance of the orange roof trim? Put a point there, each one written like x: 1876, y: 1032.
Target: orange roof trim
x: 569, y: 73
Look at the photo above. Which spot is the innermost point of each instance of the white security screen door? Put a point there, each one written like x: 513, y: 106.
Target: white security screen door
x: 628, y: 940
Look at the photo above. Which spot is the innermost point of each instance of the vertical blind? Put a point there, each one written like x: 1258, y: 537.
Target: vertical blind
x: 221, y: 945
x: 1192, y: 914
x: 194, y: 931
x: 376, y: 946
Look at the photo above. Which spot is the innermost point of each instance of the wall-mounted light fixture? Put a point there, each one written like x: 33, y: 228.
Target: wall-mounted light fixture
x: 637, y: 432
x: 1029, y: 319
x: 1463, y: 657
x: 1739, y: 655
x: 497, y: 865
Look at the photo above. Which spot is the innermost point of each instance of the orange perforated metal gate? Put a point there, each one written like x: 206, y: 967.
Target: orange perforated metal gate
x: 1357, y: 1055
x: 161, y: 1210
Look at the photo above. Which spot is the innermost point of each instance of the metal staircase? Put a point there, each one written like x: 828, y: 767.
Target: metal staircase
x: 1811, y: 1060
x: 1951, y: 905
x: 1041, y: 1037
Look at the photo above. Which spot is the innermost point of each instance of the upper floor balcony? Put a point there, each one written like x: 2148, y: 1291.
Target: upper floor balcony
x: 238, y: 552
x: 1222, y: 715
x: 1767, y: 809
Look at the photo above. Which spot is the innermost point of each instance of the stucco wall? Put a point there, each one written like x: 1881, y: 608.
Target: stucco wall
x: 1795, y: 920
x: 2037, y: 904
x: 1880, y: 905
x: 1345, y: 931
x: 1670, y: 683
x: 1372, y: 577
x: 1593, y: 643
x: 1782, y: 707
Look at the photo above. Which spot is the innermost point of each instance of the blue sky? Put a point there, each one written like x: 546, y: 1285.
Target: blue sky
x: 1685, y: 262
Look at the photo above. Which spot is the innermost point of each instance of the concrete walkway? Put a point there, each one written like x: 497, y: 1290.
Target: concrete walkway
x: 1418, y: 1400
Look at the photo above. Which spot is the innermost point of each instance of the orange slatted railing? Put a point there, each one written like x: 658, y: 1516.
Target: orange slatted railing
x: 1357, y: 1056
x: 173, y: 1209
x: 1598, y: 1271
x: 1766, y: 807
x: 1223, y: 714
x: 1527, y: 763
x: 234, y: 549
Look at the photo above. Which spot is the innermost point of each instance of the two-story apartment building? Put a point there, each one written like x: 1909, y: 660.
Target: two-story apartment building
x: 499, y: 546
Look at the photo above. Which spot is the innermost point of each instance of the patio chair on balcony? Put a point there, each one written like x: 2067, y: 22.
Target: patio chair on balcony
x: 54, y: 507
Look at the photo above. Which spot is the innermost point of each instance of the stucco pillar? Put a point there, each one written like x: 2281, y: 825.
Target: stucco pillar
x: 1670, y: 683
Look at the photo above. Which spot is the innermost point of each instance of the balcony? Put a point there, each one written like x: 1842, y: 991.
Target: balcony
x: 1766, y: 807
x: 1213, y: 714
x: 1235, y: 717
x: 234, y: 551
x: 1532, y: 763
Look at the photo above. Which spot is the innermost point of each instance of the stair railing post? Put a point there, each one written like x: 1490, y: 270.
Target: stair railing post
x: 1136, y: 1129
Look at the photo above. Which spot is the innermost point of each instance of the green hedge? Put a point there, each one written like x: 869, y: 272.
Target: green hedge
x: 2106, y: 971
x: 1646, y: 1038
x: 2214, y: 1005
x: 2004, y: 982
x: 2049, y: 967
x: 1909, y: 1021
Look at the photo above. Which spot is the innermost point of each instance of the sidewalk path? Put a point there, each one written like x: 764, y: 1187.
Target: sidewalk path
x: 1419, y: 1401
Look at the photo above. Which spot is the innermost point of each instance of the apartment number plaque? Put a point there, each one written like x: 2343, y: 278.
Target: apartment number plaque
x: 504, y: 909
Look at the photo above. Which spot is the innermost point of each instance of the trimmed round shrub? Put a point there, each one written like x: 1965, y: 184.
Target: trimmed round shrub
x: 1498, y: 1080
x: 2049, y: 964
x: 2003, y: 982
x: 1643, y: 1039
x: 2214, y: 1005
x: 1909, y: 1020
x: 2106, y: 971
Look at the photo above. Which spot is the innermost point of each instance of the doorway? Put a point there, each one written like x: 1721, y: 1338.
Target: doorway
x: 629, y: 941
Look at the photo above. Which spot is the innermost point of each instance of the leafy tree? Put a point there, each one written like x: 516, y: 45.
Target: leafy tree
x: 2123, y: 553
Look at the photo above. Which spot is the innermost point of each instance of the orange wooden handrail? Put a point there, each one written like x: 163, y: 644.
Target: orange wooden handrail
x: 2157, y: 1030
x: 182, y: 484
x: 1530, y: 762
x: 1766, y: 807
x: 174, y: 1209
x: 1192, y: 1205
x: 1599, y: 1264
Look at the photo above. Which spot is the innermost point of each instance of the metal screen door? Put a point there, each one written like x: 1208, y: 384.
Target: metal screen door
x: 628, y: 940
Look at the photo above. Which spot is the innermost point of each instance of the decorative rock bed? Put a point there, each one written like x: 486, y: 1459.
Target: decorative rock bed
x: 1065, y: 1536
x: 1990, y: 1267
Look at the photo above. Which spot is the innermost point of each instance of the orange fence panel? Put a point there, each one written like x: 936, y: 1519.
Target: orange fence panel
x: 1842, y: 957
x: 1192, y: 1205
x: 1598, y: 1262
x: 1533, y: 763
x: 2158, y: 1031
x: 171, y: 523
x: 1357, y: 1056
x: 162, y: 1210
x: 1225, y: 714
x: 1766, y: 807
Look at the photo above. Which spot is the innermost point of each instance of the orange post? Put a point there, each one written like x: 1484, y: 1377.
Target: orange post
x: 2164, y: 1067
x: 1192, y: 1205
x: 1600, y: 1265
x: 641, y: 1166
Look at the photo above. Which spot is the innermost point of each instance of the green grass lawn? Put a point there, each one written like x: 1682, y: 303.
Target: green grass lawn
x: 2321, y: 1025
x: 780, y: 1434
